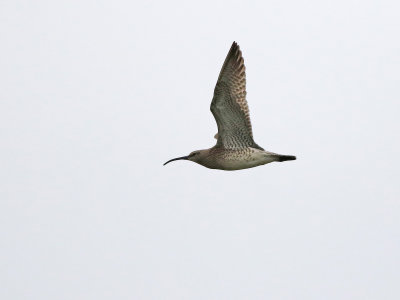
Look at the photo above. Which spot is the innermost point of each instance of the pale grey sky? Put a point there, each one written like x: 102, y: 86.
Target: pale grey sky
x: 96, y: 95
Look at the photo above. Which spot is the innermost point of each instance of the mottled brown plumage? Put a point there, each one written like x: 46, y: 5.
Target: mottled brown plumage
x: 229, y: 105
x: 235, y: 148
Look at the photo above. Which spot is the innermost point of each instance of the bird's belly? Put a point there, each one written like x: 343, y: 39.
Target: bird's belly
x: 239, y: 165
x: 239, y: 162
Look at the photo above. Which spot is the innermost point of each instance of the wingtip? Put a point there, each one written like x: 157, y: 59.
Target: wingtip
x: 235, y: 52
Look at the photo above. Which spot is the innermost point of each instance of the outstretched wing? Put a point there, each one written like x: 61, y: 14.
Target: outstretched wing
x: 229, y: 105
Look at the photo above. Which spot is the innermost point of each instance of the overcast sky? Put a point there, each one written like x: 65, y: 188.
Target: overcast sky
x: 96, y: 95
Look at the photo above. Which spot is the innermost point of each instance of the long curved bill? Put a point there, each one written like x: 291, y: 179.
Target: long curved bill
x: 178, y: 158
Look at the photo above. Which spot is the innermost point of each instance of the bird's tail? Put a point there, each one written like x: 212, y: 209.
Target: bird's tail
x: 286, y: 157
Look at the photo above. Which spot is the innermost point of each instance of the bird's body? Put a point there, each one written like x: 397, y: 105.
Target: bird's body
x: 229, y: 159
x: 235, y: 148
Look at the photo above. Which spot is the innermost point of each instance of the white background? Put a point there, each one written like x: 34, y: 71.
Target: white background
x: 96, y: 95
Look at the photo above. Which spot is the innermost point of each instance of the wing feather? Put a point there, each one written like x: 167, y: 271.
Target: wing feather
x: 229, y: 105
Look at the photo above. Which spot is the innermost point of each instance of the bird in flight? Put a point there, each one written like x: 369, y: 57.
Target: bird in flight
x: 235, y: 148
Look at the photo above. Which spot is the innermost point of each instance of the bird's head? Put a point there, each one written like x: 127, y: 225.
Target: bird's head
x: 195, y: 156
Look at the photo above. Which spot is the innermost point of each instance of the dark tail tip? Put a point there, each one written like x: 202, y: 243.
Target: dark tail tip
x: 286, y: 157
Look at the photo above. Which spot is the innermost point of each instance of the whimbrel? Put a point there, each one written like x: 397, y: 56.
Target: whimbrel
x: 235, y: 148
